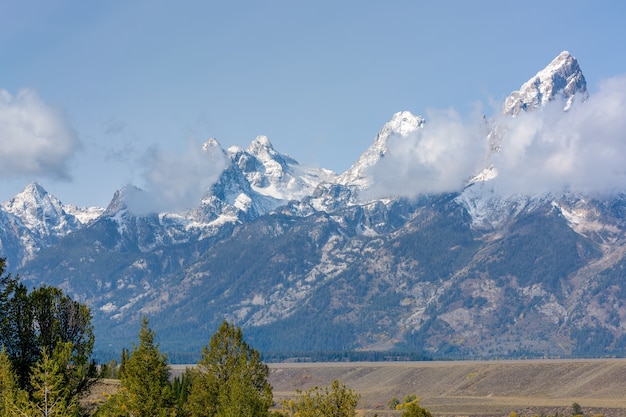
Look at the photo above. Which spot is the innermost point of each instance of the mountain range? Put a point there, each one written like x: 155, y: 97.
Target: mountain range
x: 306, y: 260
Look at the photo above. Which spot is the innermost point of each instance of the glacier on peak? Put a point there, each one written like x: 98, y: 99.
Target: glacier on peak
x: 84, y: 215
x: 259, y: 144
x: 402, y: 123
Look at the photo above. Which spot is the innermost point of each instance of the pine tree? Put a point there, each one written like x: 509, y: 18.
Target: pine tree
x: 51, y: 395
x: 230, y: 379
x: 145, y: 390
x: 8, y: 384
x: 123, y: 361
x: 180, y: 390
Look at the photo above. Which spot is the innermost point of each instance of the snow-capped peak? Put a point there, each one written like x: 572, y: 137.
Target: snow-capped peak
x: 212, y: 147
x: 40, y: 211
x: 261, y: 148
x: 402, y: 124
x: 561, y: 79
x: 32, y: 197
x: 34, y: 201
x: 260, y: 163
x: 275, y: 175
x: 261, y: 142
x: 122, y: 198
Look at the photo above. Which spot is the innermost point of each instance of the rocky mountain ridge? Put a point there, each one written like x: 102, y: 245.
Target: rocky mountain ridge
x: 303, y: 263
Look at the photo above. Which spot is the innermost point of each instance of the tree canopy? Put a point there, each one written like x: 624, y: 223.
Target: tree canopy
x: 49, y: 393
x: 145, y: 389
x: 230, y: 379
x: 40, y: 321
x: 334, y: 401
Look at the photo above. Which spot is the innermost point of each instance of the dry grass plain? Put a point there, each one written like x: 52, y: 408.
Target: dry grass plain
x: 471, y: 388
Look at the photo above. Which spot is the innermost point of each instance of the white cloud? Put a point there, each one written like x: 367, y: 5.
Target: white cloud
x: 178, y: 181
x: 440, y: 157
x: 35, y: 139
x: 583, y: 149
x: 545, y: 150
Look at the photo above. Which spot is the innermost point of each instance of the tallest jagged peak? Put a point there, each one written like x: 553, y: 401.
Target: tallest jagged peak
x: 561, y: 79
x: 564, y: 65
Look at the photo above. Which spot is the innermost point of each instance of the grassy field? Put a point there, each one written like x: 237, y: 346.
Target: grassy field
x: 471, y: 388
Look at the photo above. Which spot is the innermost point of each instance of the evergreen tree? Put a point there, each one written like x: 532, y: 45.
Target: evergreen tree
x: 145, y: 390
x: 32, y: 323
x: 8, y: 384
x: 51, y: 395
x: 123, y: 361
x: 180, y: 390
x: 18, y: 332
x: 230, y: 379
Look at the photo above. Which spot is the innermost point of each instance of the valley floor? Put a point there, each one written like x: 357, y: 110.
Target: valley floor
x: 464, y: 388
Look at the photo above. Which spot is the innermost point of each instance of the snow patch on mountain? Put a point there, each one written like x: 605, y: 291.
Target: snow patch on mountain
x: 583, y: 217
x: 84, y: 215
x: 490, y: 210
x: 276, y: 175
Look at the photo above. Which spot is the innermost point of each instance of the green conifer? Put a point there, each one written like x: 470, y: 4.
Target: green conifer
x: 145, y: 389
x: 230, y: 379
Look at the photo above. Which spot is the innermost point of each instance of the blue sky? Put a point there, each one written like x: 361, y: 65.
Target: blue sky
x: 95, y: 89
